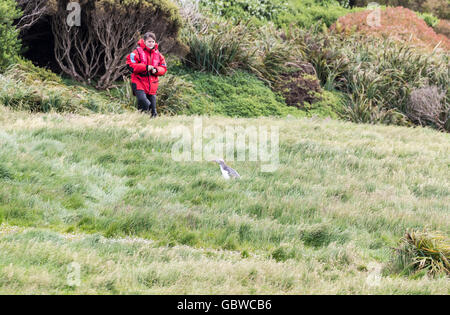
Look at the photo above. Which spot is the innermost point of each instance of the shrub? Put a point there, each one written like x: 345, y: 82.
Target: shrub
x: 396, y: 23
x: 299, y: 88
x: 427, y: 106
x: 307, y: 13
x: 422, y: 250
x: 216, y: 53
x: 429, y: 18
x: 439, y: 8
x: 9, y: 42
x: 329, y: 104
x: 271, y: 53
x: 33, y: 11
x: 330, y: 62
x: 378, y: 75
x: 245, y: 9
x: 175, y: 95
x: 225, y: 47
x: 109, y: 32
x: 30, y: 73
x: 360, y: 108
x: 443, y: 27
x: 192, y: 15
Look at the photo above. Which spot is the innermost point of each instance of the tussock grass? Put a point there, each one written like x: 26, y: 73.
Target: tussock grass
x: 422, y: 250
x: 342, y: 197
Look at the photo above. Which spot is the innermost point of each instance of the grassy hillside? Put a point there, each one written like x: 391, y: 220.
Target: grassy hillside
x: 104, y: 191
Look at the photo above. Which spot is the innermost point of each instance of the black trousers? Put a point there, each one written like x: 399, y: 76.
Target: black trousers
x: 146, y: 102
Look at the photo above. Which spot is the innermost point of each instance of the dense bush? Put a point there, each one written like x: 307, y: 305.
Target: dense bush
x: 224, y: 47
x: 429, y: 18
x: 376, y: 76
x: 299, y: 88
x: 218, y: 53
x: 427, y: 106
x: 404, y: 26
x: 306, y: 13
x: 283, y: 13
x: 439, y: 8
x: 384, y: 73
x: 238, y: 10
x: 9, y: 43
x: 109, y: 31
x: 443, y: 27
x: 175, y: 95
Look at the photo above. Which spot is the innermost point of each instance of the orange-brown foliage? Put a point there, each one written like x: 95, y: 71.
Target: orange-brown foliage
x: 398, y: 23
x: 443, y: 27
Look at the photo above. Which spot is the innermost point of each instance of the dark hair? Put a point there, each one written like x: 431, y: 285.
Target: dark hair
x: 149, y: 35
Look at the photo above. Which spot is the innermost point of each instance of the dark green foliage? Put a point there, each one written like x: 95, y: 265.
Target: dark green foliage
x: 5, y: 173
x: 238, y: 95
x: 429, y: 18
x: 244, y: 9
x: 306, y: 13
x: 321, y: 235
x: 281, y: 253
x: 9, y: 42
x: 217, y: 52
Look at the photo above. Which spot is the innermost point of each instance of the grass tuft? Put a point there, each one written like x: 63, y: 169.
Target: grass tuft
x: 421, y: 251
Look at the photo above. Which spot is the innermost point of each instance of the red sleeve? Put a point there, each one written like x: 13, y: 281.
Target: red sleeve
x: 134, y: 62
x: 162, y: 67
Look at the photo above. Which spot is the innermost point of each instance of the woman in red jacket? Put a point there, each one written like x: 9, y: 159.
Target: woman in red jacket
x: 146, y: 64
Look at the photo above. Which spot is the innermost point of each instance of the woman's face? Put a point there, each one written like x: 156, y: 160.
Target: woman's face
x: 150, y: 43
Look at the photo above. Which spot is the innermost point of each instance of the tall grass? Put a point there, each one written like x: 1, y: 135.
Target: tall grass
x: 377, y: 75
x: 342, y: 196
x: 29, y: 88
x: 217, y: 53
x: 225, y: 47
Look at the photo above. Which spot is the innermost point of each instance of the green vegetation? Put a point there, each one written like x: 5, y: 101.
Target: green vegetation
x: 307, y: 13
x: 26, y: 87
x: 9, y: 42
x: 283, y: 13
x: 429, y: 18
x: 86, y: 179
x: 246, y: 9
x: 423, y: 251
x: 237, y: 95
x: 378, y: 76
x: 317, y: 215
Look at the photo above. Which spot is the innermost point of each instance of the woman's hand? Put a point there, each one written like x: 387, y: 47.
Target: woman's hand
x: 151, y: 69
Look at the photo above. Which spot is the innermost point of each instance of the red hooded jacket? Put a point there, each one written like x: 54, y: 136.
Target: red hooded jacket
x: 140, y: 78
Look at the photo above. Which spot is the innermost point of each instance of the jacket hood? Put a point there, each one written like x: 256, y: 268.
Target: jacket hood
x: 143, y: 46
